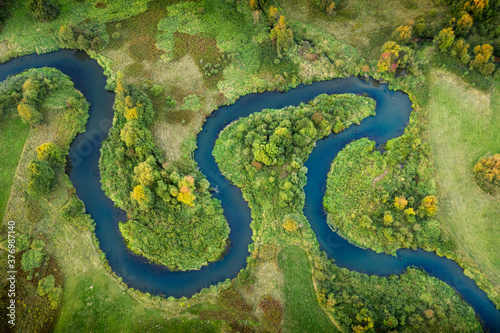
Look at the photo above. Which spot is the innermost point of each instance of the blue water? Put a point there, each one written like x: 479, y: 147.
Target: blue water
x: 393, y: 109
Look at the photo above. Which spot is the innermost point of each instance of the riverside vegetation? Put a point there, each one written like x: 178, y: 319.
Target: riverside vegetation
x: 356, y: 301
x: 187, y: 58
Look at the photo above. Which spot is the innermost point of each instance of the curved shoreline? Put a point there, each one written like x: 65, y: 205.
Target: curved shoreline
x: 136, y: 272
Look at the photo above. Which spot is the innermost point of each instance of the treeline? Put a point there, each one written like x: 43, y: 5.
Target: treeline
x: 385, y: 201
x: 471, y: 35
x: 172, y: 218
x: 411, y: 302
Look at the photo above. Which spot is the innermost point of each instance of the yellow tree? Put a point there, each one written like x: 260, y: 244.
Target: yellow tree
x: 51, y: 153
x: 482, y: 59
x: 281, y: 35
x: 405, y: 33
x: 186, y: 188
x: 290, y: 225
x: 143, y: 196
x: 429, y: 203
x: 400, y: 202
x: 464, y: 24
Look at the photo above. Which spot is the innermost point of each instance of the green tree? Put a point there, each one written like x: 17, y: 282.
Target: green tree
x: 461, y: 50
x: 131, y: 133
x: 51, y: 153
x: 46, y: 285
x: 144, y: 172
x: 31, y: 259
x: 445, y: 39
x: 43, y: 10
x: 40, y: 177
x: 482, y: 59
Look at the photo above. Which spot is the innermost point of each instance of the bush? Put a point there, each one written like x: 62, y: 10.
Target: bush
x: 487, y: 173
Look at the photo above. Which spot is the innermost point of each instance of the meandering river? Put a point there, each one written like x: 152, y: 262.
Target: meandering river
x: 392, y: 114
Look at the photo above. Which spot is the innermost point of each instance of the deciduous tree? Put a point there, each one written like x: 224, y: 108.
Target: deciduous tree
x: 444, y: 40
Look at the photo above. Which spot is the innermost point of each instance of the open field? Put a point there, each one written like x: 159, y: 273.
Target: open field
x: 13, y: 134
x: 464, y: 124
x: 302, y: 311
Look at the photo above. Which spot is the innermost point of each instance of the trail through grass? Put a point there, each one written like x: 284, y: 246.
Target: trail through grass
x: 302, y: 311
x: 465, y: 125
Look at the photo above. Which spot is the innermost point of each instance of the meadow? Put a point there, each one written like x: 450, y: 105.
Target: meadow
x: 464, y: 125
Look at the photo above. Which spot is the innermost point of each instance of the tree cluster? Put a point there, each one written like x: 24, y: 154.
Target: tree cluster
x: 89, y: 36
x: 394, y: 56
x: 172, y: 219
x: 411, y: 302
x: 38, y: 285
x: 27, y: 91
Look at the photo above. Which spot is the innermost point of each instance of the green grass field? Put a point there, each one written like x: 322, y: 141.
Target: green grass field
x: 302, y: 311
x: 13, y: 134
x: 464, y: 124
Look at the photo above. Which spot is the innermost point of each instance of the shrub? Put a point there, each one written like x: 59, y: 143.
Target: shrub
x: 487, y: 173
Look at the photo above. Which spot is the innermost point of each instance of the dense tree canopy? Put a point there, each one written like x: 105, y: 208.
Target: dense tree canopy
x: 173, y: 220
